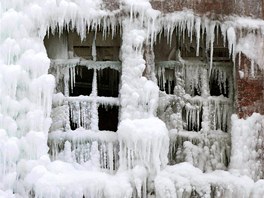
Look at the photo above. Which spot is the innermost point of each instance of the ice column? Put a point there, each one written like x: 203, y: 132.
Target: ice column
x: 143, y: 138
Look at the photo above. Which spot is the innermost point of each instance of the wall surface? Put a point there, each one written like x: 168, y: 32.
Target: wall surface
x: 218, y: 8
x: 249, y: 89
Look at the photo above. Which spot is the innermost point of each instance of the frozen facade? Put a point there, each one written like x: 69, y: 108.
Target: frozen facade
x: 131, y: 98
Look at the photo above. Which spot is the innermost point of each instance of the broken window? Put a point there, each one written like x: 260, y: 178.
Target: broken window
x: 87, y: 73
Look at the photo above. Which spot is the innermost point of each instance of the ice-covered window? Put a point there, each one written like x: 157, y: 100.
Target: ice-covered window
x: 83, y: 81
x: 220, y: 81
x: 87, y: 72
x: 196, y: 92
x: 95, y: 106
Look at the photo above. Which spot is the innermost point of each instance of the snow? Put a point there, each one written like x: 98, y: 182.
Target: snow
x: 184, y: 180
x: 134, y: 161
x: 60, y: 179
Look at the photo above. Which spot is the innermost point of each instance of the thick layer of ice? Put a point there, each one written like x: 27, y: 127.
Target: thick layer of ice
x: 143, y: 142
x: 59, y: 179
x: 247, y: 146
x: 207, y: 152
x: 139, y: 96
x: 26, y: 93
x: 183, y: 180
x: 252, y: 46
x: 84, y: 147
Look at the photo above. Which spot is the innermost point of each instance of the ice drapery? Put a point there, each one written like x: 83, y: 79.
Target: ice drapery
x: 26, y: 98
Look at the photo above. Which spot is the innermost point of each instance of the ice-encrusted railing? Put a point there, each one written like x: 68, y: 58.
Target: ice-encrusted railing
x: 88, y: 148
x: 199, y: 123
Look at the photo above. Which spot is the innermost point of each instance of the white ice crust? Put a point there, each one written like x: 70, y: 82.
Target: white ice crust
x: 26, y: 91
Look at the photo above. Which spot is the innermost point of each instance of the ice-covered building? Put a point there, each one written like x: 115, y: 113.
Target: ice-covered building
x: 131, y: 98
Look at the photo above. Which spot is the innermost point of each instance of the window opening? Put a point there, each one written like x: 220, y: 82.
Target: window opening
x: 88, y: 73
x: 108, y: 82
x: 166, y: 80
x: 108, y: 118
x: 221, y: 80
x: 83, y: 81
x: 218, y: 88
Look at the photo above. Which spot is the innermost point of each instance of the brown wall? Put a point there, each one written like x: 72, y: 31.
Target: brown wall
x: 249, y: 90
x: 215, y: 8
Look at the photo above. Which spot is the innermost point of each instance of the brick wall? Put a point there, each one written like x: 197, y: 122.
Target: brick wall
x: 249, y: 89
x: 214, y: 8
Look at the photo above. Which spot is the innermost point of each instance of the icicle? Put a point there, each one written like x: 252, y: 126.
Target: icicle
x: 94, y: 48
x: 211, y: 39
x: 131, y: 13
x: 231, y: 36
x: 94, y: 108
x: 189, y: 25
x: 110, y: 157
x: 217, y: 31
x: 72, y: 78
x: 163, y: 78
x: 224, y: 32
x: 197, y: 29
x: 152, y: 33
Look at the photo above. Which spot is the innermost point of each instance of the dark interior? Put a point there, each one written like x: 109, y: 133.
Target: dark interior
x: 217, y: 89
x: 83, y: 81
x: 108, y: 118
x: 169, y: 87
x: 108, y: 82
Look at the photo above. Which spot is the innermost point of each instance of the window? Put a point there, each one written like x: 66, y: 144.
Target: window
x: 88, y: 75
x: 93, y: 99
x: 193, y: 92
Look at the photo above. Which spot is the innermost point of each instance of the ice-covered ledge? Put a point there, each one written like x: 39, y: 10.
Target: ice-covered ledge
x: 88, y: 63
x: 100, y: 99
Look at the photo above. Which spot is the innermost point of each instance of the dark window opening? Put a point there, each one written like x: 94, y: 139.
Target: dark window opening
x: 108, y: 82
x: 108, y: 118
x: 73, y: 125
x: 192, y: 123
x: 218, y: 88
x: 167, y: 81
x: 83, y: 81
x: 169, y: 86
x: 197, y: 91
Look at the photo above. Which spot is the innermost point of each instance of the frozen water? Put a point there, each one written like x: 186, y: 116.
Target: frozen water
x: 85, y: 162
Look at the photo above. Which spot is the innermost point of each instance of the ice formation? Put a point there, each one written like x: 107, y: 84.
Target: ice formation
x: 174, y: 144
